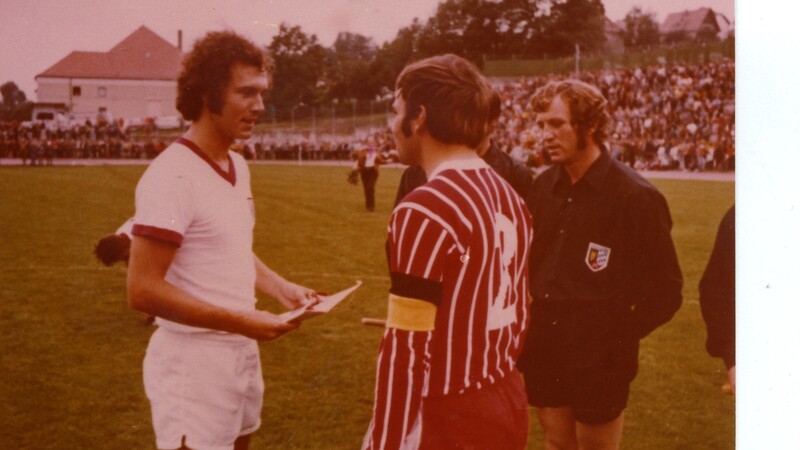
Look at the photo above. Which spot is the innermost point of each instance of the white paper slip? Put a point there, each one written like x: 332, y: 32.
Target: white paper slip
x: 326, y: 303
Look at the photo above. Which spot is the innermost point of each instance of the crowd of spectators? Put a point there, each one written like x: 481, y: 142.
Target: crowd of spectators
x: 38, y: 144
x: 663, y: 118
x: 328, y: 148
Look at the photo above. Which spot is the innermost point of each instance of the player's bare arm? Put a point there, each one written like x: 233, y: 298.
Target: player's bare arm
x: 291, y: 295
x: 148, y: 291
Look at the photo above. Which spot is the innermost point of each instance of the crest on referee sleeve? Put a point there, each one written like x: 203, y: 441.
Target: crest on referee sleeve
x: 597, y: 257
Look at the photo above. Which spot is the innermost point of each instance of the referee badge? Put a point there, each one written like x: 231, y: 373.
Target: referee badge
x: 597, y: 257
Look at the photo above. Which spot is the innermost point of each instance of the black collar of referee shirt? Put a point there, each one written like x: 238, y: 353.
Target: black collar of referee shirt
x: 492, y: 155
x: 593, y: 178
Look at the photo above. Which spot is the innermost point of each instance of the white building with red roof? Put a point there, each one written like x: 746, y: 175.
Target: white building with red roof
x: 134, y: 80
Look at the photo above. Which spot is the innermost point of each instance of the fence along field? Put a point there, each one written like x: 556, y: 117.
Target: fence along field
x: 72, y: 350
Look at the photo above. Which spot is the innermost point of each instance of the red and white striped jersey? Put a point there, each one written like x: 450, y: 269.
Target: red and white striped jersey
x: 458, y: 311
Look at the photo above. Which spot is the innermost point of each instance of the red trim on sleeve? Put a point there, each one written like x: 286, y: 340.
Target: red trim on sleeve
x: 229, y: 176
x: 161, y: 234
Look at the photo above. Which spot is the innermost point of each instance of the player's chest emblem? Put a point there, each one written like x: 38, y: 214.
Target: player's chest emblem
x: 597, y: 257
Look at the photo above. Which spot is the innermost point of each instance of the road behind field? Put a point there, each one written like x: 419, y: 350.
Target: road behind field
x: 666, y: 174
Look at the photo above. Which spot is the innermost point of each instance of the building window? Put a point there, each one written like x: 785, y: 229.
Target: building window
x: 101, y: 91
x: 76, y: 91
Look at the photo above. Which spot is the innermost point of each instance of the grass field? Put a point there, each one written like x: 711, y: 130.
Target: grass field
x: 71, y: 349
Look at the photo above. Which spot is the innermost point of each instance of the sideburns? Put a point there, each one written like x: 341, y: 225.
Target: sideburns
x: 582, y: 141
x: 405, y: 126
x: 412, y: 111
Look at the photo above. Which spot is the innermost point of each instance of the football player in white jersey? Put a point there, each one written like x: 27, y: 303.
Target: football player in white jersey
x: 192, y: 264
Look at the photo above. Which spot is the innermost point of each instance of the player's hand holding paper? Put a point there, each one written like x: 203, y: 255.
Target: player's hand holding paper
x: 325, y: 304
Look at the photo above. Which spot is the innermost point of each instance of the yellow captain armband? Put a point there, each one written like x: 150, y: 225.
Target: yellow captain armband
x: 410, y: 314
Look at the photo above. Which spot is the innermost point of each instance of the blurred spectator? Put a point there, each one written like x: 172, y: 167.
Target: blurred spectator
x: 369, y: 161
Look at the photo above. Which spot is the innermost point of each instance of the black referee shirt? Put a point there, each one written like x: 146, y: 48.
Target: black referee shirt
x: 603, y: 246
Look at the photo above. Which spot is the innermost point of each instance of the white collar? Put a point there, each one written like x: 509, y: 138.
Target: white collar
x: 459, y: 164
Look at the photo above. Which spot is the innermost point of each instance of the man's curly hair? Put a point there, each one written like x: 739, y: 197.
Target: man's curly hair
x: 206, y: 71
x: 587, y: 106
x: 113, y: 248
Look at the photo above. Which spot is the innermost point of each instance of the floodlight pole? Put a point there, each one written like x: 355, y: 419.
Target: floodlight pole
x: 293, y: 108
x: 355, y: 102
x: 299, y: 149
x: 386, y: 112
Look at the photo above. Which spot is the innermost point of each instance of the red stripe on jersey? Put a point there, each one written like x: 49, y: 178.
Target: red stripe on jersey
x: 474, y: 351
x: 161, y: 234
x: 469, y: 232
x: 491, y: 359
x: 398, y: 390
x: 229, y: 176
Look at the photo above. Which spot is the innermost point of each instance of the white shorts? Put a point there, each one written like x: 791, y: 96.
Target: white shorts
x: 205, y: 389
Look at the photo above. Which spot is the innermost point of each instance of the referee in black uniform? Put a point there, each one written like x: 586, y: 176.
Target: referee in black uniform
x: 604, y: 273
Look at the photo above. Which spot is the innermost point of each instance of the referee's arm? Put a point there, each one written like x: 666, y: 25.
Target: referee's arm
x: 658, y: 273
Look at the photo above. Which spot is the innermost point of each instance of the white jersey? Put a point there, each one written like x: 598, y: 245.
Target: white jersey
x: 186, y: 199
x: 369, y: 161
x: 125, y: 228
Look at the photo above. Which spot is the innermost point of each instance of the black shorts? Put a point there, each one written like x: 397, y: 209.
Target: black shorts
x: 595, y: 395
x: 577, y: 355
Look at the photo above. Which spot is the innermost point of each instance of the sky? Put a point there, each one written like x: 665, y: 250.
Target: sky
x: 35, y: 34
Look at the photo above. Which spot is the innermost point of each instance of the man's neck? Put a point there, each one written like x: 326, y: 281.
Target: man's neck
x: 578, y: 168
x: 214, y: 145
x: 435, y: 153
x: 483, y: 149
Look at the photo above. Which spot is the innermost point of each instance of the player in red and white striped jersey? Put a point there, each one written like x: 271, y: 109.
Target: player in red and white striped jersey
x: 458, y: 251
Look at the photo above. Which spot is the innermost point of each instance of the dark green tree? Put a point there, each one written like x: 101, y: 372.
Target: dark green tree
x: 298, y: 75
x: 520, y: 28
x: 524, y: 28
x: 444, y: 32
x: 392, y: 56
x: 15, y: 105
x: 348, y: 72
x: 470, y: 28
x: 482, y: 34
x: 641, y: 29
x: 572, y: 22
